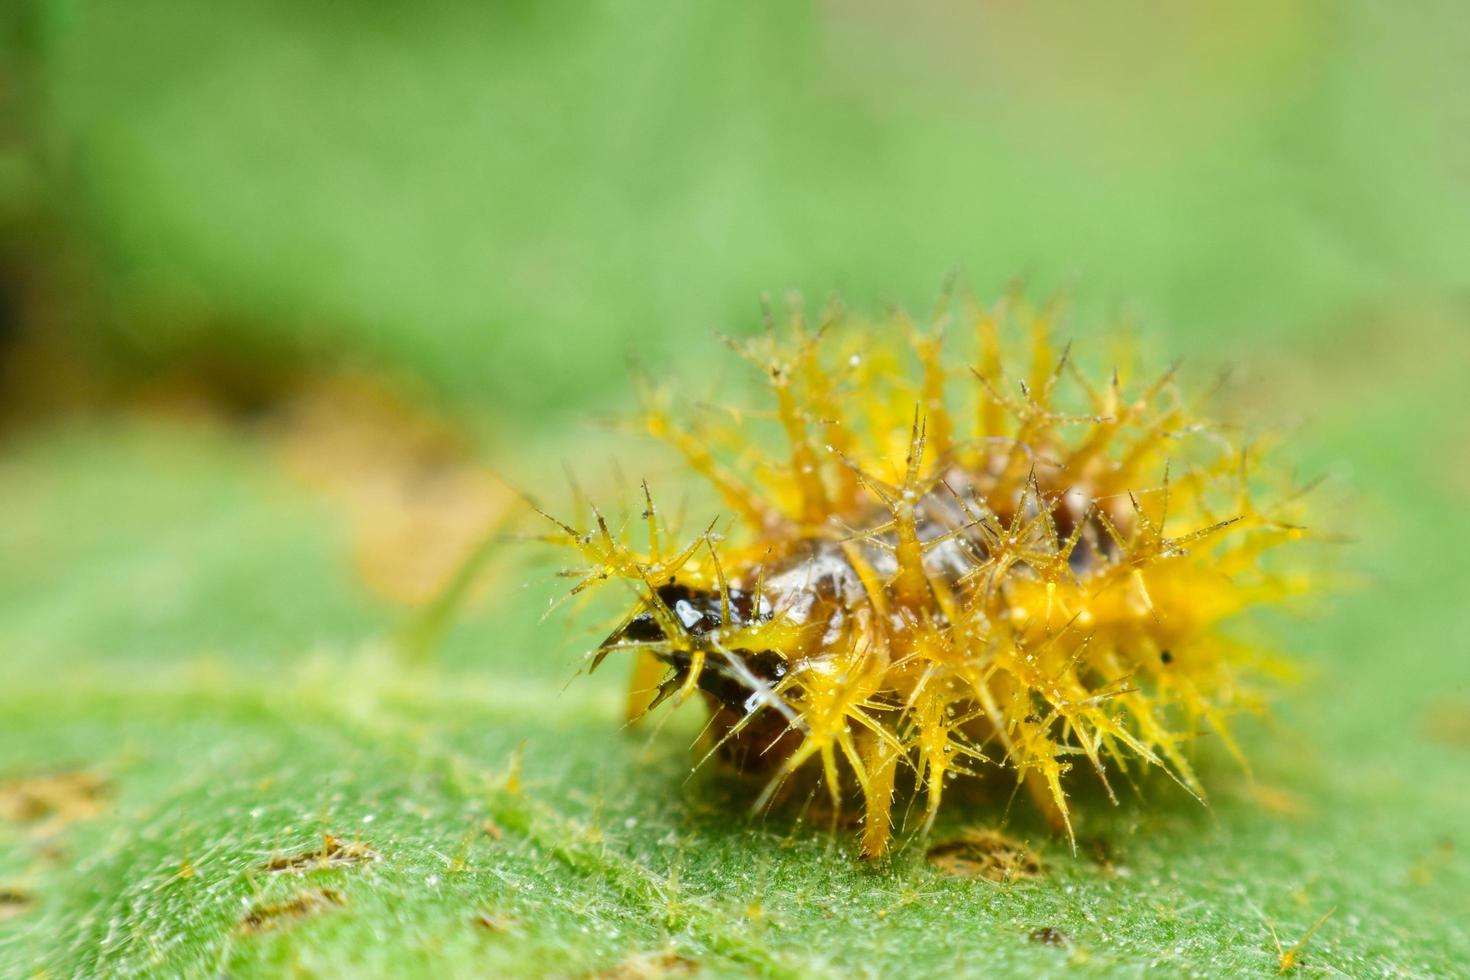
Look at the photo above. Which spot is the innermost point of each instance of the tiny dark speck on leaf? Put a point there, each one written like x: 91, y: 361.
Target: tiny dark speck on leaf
x: 1049, y: 936
x: 492, y: 923
x: 1099, y: 850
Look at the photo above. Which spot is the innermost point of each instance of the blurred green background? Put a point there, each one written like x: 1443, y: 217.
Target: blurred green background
x: 497, y: 197
x: 211, y: 215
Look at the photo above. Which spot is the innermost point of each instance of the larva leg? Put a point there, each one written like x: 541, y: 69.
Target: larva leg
x: 648, y: 671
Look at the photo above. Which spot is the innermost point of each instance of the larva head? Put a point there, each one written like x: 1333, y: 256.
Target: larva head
x: 705, y: 636
x: 700, y: 613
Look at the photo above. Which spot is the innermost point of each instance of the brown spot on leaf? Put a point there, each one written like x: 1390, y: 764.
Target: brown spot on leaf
x: 1374, y: 353
x: 1439, y: 857
x: 987, y: 854
x: 418, y: 502
x: 1448, y: 722
x: 334, y: 853
x: 1459, y: 464
x: 651, y: 966
x: 1049, y: 936
x: 61, y: 797
x: 272, y: 915
x: 1279, y: 801
x: 14, y: 902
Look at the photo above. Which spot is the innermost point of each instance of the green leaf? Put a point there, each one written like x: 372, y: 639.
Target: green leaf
x: 180, y: 622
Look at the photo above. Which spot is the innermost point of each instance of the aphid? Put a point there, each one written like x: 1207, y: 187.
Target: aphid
x: 952, y: 561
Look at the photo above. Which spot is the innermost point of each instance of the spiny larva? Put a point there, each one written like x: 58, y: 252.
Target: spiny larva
x: 952, y: 559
